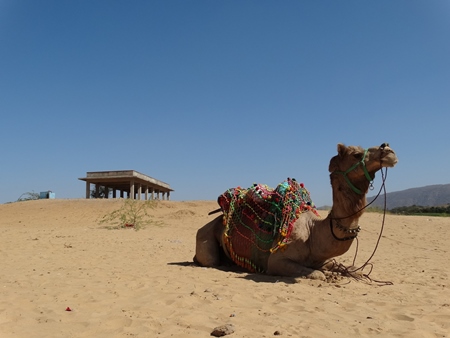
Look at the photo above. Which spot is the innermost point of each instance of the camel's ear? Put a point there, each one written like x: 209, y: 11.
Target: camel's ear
x: 334, y: 162
x: 341, y: 149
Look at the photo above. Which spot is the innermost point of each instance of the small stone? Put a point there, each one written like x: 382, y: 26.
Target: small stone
x: 277, y: 333
x: 223, y: 330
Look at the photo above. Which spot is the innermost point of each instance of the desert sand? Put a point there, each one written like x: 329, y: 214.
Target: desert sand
x: 127, y: 283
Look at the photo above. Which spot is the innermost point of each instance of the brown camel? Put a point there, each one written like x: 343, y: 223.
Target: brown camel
x: 313, y: 241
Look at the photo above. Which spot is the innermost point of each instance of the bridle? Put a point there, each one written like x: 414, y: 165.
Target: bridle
x: 354, y: 232
x: 353, y: 167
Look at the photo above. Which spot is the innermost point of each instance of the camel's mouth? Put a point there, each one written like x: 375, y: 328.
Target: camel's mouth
x: 389, y: 159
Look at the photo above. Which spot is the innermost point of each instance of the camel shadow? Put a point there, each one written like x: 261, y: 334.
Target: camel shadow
x: 187, y: 263
x: 243, y: 274
x: 225, y: 267
x: 261, y: 278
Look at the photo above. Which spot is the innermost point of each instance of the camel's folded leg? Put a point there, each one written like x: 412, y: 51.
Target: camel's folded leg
x: 208, y: 248
x: 282, y: 266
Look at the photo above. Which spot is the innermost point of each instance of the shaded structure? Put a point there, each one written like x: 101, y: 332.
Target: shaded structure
x: 134, y: 184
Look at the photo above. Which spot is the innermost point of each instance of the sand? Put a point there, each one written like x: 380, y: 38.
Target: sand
x: 127, y: 283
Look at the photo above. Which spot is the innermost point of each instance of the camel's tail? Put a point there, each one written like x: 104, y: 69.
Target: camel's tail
x: 214, y: 211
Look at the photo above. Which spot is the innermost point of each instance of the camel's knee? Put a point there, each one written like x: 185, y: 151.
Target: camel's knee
x: 207, y: 249
x: 207, y: 252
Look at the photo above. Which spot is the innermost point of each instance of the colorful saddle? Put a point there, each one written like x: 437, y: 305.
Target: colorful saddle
x: 259, y: 220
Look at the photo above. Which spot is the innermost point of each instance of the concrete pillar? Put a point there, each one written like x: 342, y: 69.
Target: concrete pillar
x: 97, y: 190
x: 153, y: 194
x: 146, y: 192
x: 168, y: 195
x: 88, y: 189
x: 139, y: 191
x: 131, y: 190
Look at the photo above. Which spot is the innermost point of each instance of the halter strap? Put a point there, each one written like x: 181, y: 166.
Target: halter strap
x: 366, y: 173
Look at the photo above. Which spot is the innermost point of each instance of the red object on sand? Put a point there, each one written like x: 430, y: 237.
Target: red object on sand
x: 68, y: 309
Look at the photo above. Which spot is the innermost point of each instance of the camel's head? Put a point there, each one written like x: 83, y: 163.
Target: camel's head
x: 358, y: 166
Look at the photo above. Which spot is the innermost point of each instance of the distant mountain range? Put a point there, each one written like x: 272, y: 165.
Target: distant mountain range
x: 430, y: 195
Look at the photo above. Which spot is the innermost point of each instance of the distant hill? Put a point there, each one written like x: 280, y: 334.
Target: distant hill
x: 430, y: 195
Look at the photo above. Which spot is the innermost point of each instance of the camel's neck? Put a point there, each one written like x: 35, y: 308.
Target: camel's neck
x: 347, y: 205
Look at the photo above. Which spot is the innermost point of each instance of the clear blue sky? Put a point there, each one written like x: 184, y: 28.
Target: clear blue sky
x: 208, y: 95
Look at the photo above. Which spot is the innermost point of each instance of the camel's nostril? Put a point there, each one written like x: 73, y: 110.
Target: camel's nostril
x: 384, y: 145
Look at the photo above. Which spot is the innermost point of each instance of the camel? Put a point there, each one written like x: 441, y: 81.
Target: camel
x: 313, y: 241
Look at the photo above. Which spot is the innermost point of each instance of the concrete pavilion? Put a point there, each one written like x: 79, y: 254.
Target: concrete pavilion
x: 134, y: 184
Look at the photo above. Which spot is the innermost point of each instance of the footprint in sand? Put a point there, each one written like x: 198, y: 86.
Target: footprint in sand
x: 403, y: 317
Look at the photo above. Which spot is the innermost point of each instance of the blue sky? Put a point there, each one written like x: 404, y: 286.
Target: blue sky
x: 208, y: 95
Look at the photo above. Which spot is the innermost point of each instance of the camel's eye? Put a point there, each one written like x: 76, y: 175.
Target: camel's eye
x: 358, y: 156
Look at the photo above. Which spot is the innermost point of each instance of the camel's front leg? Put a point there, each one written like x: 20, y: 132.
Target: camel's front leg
x: 282, y: 266
x: 207, y: 248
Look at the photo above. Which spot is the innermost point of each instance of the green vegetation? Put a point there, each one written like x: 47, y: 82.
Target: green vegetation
x: 132, y: 214
x: 377, y: 210
x: 422, y: 211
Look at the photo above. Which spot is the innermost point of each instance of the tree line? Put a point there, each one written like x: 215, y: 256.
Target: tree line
x: 443, y: 210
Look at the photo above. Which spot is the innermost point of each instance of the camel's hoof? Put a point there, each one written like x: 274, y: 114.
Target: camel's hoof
x: 317, y: 275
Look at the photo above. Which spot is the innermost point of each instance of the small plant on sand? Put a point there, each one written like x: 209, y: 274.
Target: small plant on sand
x: 132, y: 214
x: 28, y: 196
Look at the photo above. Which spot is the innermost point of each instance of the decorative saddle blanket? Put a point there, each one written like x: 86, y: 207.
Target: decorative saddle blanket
x: 259, y: 220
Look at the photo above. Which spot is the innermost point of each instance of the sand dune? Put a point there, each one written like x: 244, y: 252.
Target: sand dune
x: 127, y: 283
